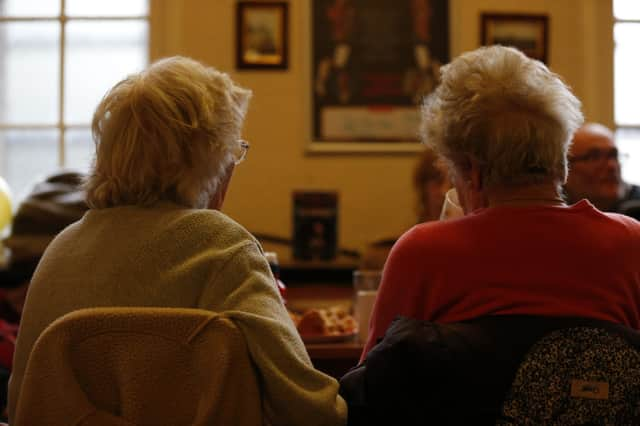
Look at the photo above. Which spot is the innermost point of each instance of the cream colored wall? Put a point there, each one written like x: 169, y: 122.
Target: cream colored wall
x: 580, y: 46
x: 376, y: 198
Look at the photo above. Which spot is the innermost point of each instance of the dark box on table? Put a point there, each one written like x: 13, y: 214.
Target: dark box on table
x: 315, y: 225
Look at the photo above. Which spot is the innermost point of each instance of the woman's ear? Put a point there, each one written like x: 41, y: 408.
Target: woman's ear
x: 217, y: 199
x: 471, y: 186
x: 475, y: 176
x: 476, y: 184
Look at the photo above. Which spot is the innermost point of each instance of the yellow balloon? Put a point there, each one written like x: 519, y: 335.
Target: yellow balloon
x: 5, y: 204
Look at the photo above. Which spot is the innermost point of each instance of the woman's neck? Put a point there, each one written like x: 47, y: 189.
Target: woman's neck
x: 531, y: 195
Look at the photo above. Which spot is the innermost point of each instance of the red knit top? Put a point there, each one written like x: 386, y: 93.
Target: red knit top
x: 535, y: 260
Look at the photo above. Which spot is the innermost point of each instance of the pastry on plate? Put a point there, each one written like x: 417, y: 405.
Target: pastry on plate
x: 326, y: 322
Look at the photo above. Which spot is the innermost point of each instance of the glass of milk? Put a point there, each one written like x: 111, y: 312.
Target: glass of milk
x: 365, y: 289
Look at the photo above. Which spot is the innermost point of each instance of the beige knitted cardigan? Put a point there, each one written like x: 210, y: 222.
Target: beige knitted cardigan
x: 169, y: 256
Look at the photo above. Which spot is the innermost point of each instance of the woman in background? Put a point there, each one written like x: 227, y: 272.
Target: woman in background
x: 167, y: 142
x: 430, y: 184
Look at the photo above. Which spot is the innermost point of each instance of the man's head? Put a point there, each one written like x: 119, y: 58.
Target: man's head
x: 595, y: 168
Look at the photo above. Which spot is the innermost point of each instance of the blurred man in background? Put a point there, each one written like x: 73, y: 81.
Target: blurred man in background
x: 52, y: 205
x: 595, y: 172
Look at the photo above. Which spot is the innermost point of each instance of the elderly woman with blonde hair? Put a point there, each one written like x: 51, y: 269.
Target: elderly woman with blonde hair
x: 503, y: 123
x: 167, y: 142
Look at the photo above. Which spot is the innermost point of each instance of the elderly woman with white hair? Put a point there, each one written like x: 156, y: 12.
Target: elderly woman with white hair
x: 167, y: 142
x: 503, y: 123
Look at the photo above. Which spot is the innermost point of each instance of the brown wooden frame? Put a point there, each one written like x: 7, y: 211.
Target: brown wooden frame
x: 517, y: 30
x: 275, y: 33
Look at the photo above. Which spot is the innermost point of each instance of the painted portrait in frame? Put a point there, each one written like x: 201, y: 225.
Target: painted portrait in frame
x: 373, y: 61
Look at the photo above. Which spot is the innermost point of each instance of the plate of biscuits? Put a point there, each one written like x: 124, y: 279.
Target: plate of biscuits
x: 325, y: 325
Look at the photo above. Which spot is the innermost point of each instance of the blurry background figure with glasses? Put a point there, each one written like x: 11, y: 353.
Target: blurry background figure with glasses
x: 595, y: 172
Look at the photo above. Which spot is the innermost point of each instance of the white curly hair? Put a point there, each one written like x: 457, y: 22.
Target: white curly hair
x: 506, y: 112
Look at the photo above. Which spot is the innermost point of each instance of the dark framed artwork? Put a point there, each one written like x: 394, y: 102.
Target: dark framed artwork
x: 372, y: 63
x: 262, y: 35
x: 528, y: 33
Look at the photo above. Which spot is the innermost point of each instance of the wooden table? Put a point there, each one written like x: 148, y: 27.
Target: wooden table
x: 334, y: 359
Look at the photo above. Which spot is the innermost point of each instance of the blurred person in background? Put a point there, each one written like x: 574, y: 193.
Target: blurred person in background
x: 595, y: 172
x: 430, y: 184
x: 503, y: 123
x: 167, y: 142
x: 52, y: 205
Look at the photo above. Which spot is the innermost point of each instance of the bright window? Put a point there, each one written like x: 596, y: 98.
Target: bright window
x: 57, y: 60
x: 626, y: 34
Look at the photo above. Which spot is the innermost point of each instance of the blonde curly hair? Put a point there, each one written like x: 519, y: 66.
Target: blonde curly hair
x: 169, y: 132
x: 506, y: 112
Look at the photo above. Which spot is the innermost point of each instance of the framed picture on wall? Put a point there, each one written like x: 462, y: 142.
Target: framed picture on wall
x: 527, y: 33
x: 372, y: 64
x: 262, y: 35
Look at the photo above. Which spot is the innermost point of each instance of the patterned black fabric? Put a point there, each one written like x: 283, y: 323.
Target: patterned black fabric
x: 576, y: 376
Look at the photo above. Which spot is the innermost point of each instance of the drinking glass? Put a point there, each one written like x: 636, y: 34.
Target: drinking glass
x: 365, y: 287
x: 451, y: 208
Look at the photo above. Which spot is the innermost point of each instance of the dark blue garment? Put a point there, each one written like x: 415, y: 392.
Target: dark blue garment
x: 4, y: 384
x: 447, y: 374
x: 630, y: 204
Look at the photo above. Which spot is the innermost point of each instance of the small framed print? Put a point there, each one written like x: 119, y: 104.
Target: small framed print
x: 262, y: 35
x: 528, y: 33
